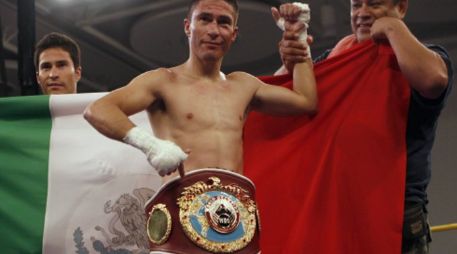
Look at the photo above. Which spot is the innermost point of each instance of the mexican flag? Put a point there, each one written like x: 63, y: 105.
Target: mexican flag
x: 65, y: 188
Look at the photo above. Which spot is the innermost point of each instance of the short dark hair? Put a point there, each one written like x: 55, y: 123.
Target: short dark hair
x: 193, y: 3
x: 58, y: 40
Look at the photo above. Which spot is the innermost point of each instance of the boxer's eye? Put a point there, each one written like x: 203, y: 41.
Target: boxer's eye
x: 225, y: 21
x: 206, y: 18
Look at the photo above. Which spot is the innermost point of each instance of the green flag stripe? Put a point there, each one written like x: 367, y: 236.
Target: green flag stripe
x: 25, y: 129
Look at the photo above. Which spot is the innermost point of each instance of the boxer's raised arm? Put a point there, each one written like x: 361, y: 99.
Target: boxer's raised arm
x: 303, y: 98
x: 282, y: 101
x: 293, y: 19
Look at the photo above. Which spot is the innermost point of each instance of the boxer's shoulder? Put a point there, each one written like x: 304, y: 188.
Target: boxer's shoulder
x: 241, y: 77
x: 157, y: 76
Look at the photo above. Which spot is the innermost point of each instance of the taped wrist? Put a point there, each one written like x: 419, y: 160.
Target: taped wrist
x: 304, y: 18
x: 142, y: 140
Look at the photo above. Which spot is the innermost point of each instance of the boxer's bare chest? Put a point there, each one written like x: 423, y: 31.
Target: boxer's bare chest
x: 205, y: 105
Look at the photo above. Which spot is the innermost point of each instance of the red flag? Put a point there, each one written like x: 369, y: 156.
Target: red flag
x: 334, y: 183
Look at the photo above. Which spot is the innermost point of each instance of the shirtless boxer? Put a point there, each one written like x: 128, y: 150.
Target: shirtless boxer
x: 196, y: 111
x: 197, y: 114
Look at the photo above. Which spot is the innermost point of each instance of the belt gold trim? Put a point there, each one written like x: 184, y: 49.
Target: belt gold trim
x: 207, y: 211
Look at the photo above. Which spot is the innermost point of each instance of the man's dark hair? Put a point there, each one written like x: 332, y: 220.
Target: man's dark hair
x: 58, y: 40
x: 193, y: 3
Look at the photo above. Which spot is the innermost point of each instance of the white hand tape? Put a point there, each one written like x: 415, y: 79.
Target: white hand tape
x: 304, y: 18
x: 165, y: 156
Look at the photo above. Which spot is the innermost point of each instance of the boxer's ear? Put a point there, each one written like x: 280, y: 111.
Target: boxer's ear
x: 235, y: 34
x: 187, y: 27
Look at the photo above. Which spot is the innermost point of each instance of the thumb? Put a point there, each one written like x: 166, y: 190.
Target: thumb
x: 181, y: 171
x: 275, y: 14
x: 310, y: 39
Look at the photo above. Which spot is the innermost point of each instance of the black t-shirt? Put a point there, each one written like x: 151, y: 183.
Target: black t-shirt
x: 420, y: 134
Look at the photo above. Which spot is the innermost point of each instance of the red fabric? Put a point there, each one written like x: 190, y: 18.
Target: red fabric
x: 335, y: 183
x: 344, y: 44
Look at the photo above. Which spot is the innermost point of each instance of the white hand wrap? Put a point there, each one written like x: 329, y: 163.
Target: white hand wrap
x: 165, y: 156
x: 304, y: 18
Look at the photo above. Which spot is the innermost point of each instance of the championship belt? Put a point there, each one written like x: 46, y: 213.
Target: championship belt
x: 207, y: 211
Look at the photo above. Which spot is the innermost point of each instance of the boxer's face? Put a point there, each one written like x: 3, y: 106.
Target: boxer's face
x: 365, y: 12
x: 56, y: 73
x: 211, y: 29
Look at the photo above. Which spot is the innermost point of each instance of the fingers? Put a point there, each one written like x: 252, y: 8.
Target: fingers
x: 293, y: 48
x: 167, y: 163
x: 275, y: 13
x: 294, y: 27
x: 310, y: 39
x: 378, y: 37
x: 292, y: 52
x: 292, y: 36
x: 292, y: 45
x: 289, y: 12
x: 168, y: 172
x: 181, y: 170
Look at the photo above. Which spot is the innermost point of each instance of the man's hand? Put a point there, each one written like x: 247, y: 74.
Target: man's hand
x: 295, y: 13
x: 165, y: 156
x: 382, y: 26
x: 291, y: 49
x: 287, y: 11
